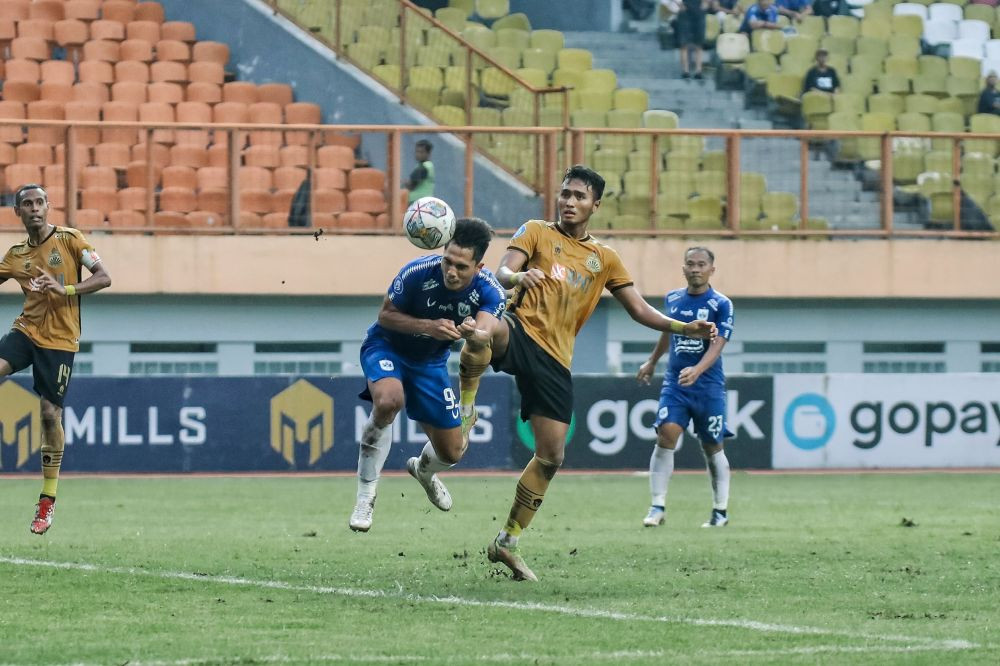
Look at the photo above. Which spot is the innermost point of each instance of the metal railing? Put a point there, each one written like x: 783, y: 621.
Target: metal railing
x: 897, y: 184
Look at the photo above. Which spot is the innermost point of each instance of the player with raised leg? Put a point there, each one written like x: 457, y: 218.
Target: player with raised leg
x: 694, y: 388
x: 560, y: 272
x: 433, y: 301
x: 46, y: 335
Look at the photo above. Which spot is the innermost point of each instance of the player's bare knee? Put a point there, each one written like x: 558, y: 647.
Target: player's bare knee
x: 51, y: 414
x: 710, y: 448
x: 550, y: 467
x: 386, y: 406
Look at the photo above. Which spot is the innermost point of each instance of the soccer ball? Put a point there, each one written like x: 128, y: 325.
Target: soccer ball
x: 429, y: 223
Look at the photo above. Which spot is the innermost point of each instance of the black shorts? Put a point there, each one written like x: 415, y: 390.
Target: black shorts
x: 51, y: 368
x: 545, y: 384
x: 690, y: 28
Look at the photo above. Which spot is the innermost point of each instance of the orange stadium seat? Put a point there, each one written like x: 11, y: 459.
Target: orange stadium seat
x: 30, y: 48
x: 87, y: 218
x: 366, y: 179
x: 148, y: 30
x: 279, y: 93
x: 103, y: 199
x: 16, y: 175
x: 158, y: 112
x: 140, y: 50
x: 136, y: 174
x: 49, y: 10
x: 71, y: 35
x: 265, y: 113
x: 21, y: 91
x: 91, y: 92
x: 112, y: 154
x: 277, y: 220
x: 167, y: 93
x: 255, y: 178
x: 249, y: 220
x: 188, y: 155
x: 83, y: 10
x: 218, y: 154
x: 200, y: 91
x: 127, y: 219
x: 366, y: 201
x: 58, y: 71
x: 7, y: 154
x: 355, y: 220
x: 329, y: 201
x: 179, y: 199
x: 172, y: 49
x: 14, y: 10
x: 14, y: 110
x: 84, y: 111
x: 331, y: 178
x: 294, y: 155
x: 120, y: 112
x: 109, y: 30
x: 215, y: 200
x: 168, y: 70
x: 171, y: 219
x: 207, y: 51
x: 98, y: 176
x: 301, y: 113
x: 81, y: 154
x: 180, y: 176
x: 338, y: 157
x: 180, y: 30
x: 289, y: 178
x: 133, y: 198
x: 262, y: 156
x: 205, y: 219
x: 134, y: 92
x: 45, y: 110
x: 131, y: 70
x: 149, y: 11
x: 39, y: 154
x: 244, y: 92
x: 232, y: 113
x: 212, y: 178
x: 54, y: 174
x: 102, y: 49
x: 325, y: 220
x: 193, y: 112
x: 118, y: 10
x: 209, y: 72
x: 56, y: 195
x: 19, y: 69
x: 36, y: 28
x: 56, y: 92
x: 255, y: 200
x: 96, y: 71
x: 157, y: 153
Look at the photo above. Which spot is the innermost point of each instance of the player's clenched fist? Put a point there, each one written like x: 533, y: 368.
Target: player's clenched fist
x: 442, y: 329
x: 529, y: 278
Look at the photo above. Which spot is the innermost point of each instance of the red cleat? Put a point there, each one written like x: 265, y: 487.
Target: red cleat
x: 43, y: 515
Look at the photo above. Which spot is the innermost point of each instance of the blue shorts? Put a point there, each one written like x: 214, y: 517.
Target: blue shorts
x: 706, y: 408
x: 427, y: 388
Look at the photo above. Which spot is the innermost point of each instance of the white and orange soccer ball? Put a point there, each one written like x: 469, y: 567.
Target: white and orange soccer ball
x: 429, y: 223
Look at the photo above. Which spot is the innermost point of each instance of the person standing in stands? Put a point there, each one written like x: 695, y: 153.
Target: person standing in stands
x: 690, y: 28
x: 989, y: 99
x: 421, y: 181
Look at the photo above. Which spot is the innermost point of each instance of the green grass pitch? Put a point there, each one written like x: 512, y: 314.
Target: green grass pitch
x: 812, y: 569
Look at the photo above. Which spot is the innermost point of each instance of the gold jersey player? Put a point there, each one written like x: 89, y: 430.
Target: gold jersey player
x: 559, y: 272
x: 47, y: 333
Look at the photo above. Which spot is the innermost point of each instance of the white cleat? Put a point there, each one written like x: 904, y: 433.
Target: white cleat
x: 718, y: 519
x: 655, y: 517
x: 436, y: 491
x: 364, y: 509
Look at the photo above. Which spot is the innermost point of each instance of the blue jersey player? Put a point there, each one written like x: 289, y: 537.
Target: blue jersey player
x: 694, y: 388
x: 433, y: 301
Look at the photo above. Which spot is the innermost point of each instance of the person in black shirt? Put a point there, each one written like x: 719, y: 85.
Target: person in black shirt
x: 821, y: 77
x: 690, y: 28
x: 989, y: 99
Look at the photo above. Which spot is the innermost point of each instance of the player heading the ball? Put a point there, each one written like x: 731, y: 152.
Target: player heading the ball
x: 559, y: 271
x: 432, y: 302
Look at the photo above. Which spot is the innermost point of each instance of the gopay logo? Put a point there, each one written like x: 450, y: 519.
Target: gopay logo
x: 809, y: 421
x: 528, y: 438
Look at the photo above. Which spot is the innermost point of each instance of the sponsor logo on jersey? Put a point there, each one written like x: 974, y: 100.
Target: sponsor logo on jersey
x: 474, y: 297
x: 386, y: 365
x: 430, y: 284
x: 714, y: 304
x: 558, y: 271
x: 593, y: 264
x: 673, y: 310
x: 687, y: 313
x: 673, y: 296
x: 20, y: 423
x: 55, y: 259
x: 703, y: 314
x: 431, y: 303
x: 302, y: 414
x: 464, y: 310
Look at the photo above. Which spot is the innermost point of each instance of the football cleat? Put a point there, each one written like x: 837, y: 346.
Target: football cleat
x: 364, y: 509
x: 655, y: 517
x: 718, y: 519
x: 510, y: 557
x: 43, y: 515
x: 436, y: 491
x: 469, y: 416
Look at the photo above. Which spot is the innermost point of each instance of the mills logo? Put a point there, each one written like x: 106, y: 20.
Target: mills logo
x: 302, y: 414
x: 20, y: 422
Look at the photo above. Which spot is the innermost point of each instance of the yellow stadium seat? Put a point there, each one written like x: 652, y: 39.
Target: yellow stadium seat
x: 480, y: 36
x: 425, y: 98
x: 676, y: 182
x: 467, y: 6
x: 426, y: 77
x: 506, y: 56
x: 534, y: 77
x: 769, y: 41
x: 816, y: 106
x: 491, y: 9
x: 938, y: 161
x: 802, y: 47
x: 789, y: 64
x: 846, y: 148
x: 632, y: 99
x: 844, y: 26
x: 876, y: 48
x: 596, y: 100
x: 896, y: 84
x: 850, y: 102
x: 902, y: 66
x: 984, y: 13
x: 366, y: 55
x: 753, y: 183
x: 539, y: 59
x: 598, y: 79
x: 548, y: 40
x: 680, y: 161
x: 858, y: 85
x: 389, y: 74
x: 732, y: 47
x: 983, y: 123
x: 713, y: 160
x: 574, y: 59
x: 932, y: 65
x: 904, y: 45
x: 622, y: 119
x: 921, y: 103
x: 688, y: 144
x: 453, y: 18
x: 706, y: 213
x: 844, y: 46
x: 496, y: 83
x: 659, y: 119
x: 911, y: 121
x: 759, y: 65
x: 516, y: 39
x: 931, y: 84
x: 886, y: 103
x: 880, y: 29
x: 710, y: 183
x: 515, y: 21
x: 945, y: 121
x: 780, y: 209
x: 907, y: 24
x: 636, y: 182
x: 812, y: 25
x: 609, y: 159
x: 449, y: 115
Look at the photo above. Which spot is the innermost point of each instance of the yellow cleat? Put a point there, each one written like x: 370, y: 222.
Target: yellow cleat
x: 510, y: 557
x: 469, y: 417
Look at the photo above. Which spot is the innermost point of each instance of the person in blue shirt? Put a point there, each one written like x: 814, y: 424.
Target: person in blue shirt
x: 762, y: 15
x: 694, y: 387
x: 433, y: 302
x: 796, y: 10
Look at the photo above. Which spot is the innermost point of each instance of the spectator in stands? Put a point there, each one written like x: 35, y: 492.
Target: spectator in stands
x: 421, y: 181
x: 723, y: 7
x: 796, y: 10
x: 690, y: 27
x: 761, y: 16
x: 821, y: 76
x: 989, y: 99
x: 831, y: 8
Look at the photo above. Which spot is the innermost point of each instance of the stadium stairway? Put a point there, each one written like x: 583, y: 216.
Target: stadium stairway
x: 636, y: 57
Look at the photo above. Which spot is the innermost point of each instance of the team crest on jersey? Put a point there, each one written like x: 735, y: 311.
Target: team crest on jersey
x: 430, y: 284
x: 519, y: 232
x: 55, y: 259
x: 558, y: 249
x: 464, y: 310
x: 702, y: 314
x: 397, y: 285
x: 593, y: 264
x: 27, y: 265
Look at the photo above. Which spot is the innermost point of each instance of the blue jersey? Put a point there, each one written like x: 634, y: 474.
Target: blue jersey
x: 419, y: 291
x: 684, y: 351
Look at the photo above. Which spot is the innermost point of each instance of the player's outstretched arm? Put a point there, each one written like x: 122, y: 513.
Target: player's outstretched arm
x: 510, y: 273
x: 645, y: 314
x: 99, y: 279
x: 394, y: 319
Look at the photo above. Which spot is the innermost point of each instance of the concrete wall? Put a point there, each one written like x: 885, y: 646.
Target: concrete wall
x: 598, y: 15
x: 266, y: 48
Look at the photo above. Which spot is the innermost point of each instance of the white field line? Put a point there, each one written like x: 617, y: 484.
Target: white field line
x: 910, y: 642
